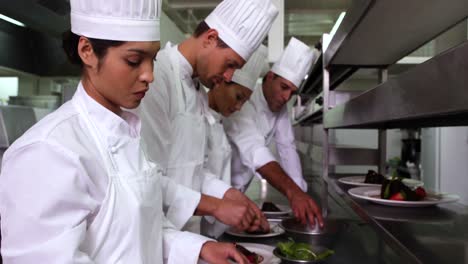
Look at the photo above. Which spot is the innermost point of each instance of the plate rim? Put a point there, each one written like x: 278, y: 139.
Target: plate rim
x: 450, y: 198
x: 265, y: 247
x: 229, y: 232
x: 356, y: 183
x: 280, y: 206
x: 342, y: 180
x: 276, y: 253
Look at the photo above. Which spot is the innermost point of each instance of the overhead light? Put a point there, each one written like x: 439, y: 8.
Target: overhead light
x: 11, y: 20
x: 337, y: 23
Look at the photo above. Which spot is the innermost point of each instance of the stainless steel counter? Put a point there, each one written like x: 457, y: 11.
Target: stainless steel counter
x: 358, y: 243
x: 437, y: 234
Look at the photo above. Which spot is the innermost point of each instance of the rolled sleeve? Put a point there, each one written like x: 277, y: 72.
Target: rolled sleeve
x: 262, y: 156
x: 288, y: 156
x: 244, y: 136
x: 182, y: 247
x: 213, y: 186
x: 180, y: 202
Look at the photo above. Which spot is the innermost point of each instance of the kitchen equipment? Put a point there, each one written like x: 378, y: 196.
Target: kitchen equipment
x: 410, y: 154
x: 315, y: 235
x: 40, y: 101
x: 285, y: 260
x: 14, y: 121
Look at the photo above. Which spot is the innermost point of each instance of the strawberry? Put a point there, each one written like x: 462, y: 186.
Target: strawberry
x: 420, y: 192
x: 399, y: 196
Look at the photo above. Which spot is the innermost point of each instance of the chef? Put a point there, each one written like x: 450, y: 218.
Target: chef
x: 76, y: 187
x: 175, y: 113
x: 264, y: 120
x: 224, y: 99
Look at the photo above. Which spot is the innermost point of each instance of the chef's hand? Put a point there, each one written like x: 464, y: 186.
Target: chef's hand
x: 260, y: 221
x: 305, y: 209
x: 234, y: 213
x: 215, y: 252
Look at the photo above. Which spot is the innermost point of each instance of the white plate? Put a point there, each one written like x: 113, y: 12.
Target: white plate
x: 275, y: 230
x: 356, y: 181
x: 373, y: 194
x: 284, y: 210
x: 359, y: 181
x: 264, y: 250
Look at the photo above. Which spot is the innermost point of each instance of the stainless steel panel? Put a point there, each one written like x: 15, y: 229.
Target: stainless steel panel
x: 353, y: 156
x: 378, y: 33
x: 431, y: 94
x: 437, y: 234
x: 14, y: 121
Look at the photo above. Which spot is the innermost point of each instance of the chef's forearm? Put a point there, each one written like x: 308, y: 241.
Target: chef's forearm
x: 277, y: 177
x: 208, y: 205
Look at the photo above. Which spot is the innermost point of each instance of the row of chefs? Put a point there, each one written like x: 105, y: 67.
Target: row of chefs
x: 95, y: 183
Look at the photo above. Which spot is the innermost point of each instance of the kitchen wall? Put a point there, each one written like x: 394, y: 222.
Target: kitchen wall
x: 33, y: 84
x: 30, y: 84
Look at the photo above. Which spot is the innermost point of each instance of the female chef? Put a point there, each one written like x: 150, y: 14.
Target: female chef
x: 76, y: 187
x: 224, y: 99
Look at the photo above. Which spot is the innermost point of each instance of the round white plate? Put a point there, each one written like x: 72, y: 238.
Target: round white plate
x: 372, y: 194
x: 264, y: 250
x: 284, y: 210
x: 356, y: 181
x: 359, y: 181
x: 275, y: 230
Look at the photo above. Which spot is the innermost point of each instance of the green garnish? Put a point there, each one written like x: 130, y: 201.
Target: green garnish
x: 301, y: 251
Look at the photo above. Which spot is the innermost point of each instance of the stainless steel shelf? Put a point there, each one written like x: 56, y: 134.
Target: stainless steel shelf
x: 431, y: 94
x: 393, y: 28
x: 313, y: 118
x: 313, y: 85
x: 340, y: 154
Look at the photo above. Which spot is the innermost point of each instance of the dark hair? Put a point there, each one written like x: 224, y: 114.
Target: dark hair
x: 202, y: 28
x: 70, y: 46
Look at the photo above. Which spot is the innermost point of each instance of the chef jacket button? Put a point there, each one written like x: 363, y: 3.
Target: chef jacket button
x: 114, y: 149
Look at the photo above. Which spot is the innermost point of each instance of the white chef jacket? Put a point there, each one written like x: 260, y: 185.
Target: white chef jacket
x: 218, y: 149
x: 54, y: 180
x: 251, y: 130
x: 218, y: 161
x: 158, y: 111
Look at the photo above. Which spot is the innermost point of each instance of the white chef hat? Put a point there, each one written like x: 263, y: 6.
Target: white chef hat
x: 295, y: 62
x: 128, y: 20
x: 243, y: 24
x: 248, y: 75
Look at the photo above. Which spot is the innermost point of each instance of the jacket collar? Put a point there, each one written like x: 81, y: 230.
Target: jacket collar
x: 109, y: 124
x: 186, y: 70
x: 260, y: 99
x: 217, y: 116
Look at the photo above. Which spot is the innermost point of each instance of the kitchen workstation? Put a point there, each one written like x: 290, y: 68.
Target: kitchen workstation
x: 234, y: 131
